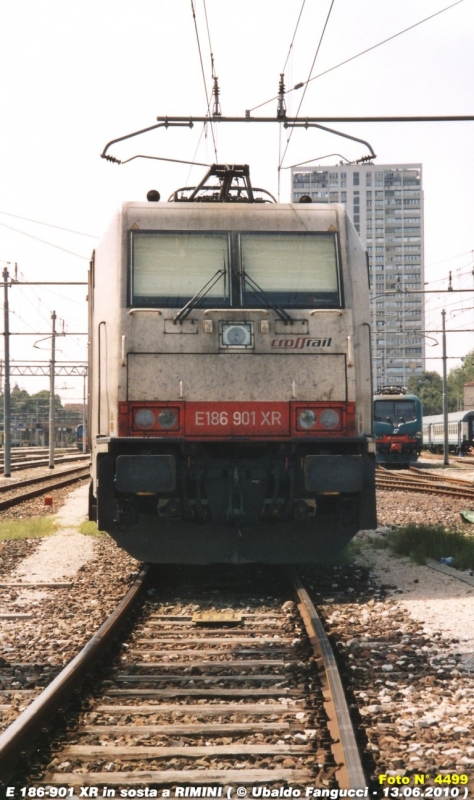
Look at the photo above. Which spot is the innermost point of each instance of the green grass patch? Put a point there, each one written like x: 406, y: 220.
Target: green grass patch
x: 31, y: 528
x: 91, y: 529
x: 421, y: 542
x: 379, y: 542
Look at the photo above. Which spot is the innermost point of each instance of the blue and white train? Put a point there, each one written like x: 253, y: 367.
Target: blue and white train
x: 460, y: 432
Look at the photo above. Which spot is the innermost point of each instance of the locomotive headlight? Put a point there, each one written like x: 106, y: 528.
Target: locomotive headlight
x: 168, y: 418
x: 306, y: 419
x: 329, y: 418
x: 236, y: 334
x: 144, y: 418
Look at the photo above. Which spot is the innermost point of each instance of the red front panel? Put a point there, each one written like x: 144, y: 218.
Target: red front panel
x: 237, y: 419
x: 404, y: 438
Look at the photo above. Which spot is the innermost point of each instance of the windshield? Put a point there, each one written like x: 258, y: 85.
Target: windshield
x: 171, y: 268
x: 276, y: 270
x: 396, y: 412
x: 294, y: 270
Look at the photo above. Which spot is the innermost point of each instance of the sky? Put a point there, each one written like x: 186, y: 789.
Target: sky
x: 75, y: 76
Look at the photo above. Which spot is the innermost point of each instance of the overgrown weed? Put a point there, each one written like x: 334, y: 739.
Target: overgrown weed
x: 422, y: 542
x: 379, y: 542
x: 90, y: 529
x: 29, y: 528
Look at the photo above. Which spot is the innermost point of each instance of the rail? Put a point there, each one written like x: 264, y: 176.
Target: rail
x: 49, y: 483
x: 20, y: 737
x: 20, y: 463
x: 251, y: 672
x: 346, y: 752
x: 450, y: 487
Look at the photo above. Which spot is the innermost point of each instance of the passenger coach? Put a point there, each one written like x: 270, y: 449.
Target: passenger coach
x: 460, y: 431
x: 231, y: 398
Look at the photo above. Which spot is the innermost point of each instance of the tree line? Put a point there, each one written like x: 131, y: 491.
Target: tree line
x: 31, y: 407
x: 429, y: 387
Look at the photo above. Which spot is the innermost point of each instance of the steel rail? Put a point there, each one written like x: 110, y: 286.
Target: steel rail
x: 437, y: 456
x: 20, y: 737
x: 419, y: 475
x: 18, y: 464
x: 350, y: 773
x: 51, y: 486
x: 444, y: 478
x: 430, y: 487
x: 58, y: 451
x: 10, y: 487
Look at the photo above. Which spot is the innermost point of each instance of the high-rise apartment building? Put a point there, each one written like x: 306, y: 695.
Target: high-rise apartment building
x: 385, y: 202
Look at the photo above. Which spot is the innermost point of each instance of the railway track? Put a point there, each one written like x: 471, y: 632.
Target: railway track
x: 43, y: 483
x: 24, y: 452
x: 417, y: 480
x: 224, y: 681
x: 43, y: 461
x: 439, y: 457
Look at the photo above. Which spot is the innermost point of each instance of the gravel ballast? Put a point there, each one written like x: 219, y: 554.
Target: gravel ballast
x: 405, y: 633
x: 57, y: 622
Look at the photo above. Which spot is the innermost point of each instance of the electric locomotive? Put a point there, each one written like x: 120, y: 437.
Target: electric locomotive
x: 231, y: 401
x: 397, y: 426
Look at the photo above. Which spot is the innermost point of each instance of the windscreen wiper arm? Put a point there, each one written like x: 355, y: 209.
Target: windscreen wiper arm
x: 260, y: 293
x: 200, y: 295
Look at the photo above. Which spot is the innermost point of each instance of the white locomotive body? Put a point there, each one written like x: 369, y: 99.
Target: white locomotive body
x: 231, y: 402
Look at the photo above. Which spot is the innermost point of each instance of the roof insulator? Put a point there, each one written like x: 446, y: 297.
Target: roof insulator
x: 281, y: 109
x: 216, y: 108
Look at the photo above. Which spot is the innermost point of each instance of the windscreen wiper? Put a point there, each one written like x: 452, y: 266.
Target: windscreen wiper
x: 200, y: 295
x: 262, y: 295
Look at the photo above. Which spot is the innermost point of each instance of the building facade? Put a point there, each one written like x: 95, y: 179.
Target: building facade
x: 385, y: 202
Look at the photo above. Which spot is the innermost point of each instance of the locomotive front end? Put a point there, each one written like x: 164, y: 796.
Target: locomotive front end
x: 398, y: 421
x: 231, y: 400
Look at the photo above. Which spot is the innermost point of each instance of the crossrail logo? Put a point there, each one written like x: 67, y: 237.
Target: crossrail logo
x: 300, y: 342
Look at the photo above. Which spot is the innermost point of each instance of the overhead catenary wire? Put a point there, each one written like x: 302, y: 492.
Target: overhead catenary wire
x: 282, y: 74
x: 74, y: 344
x: 459, y: 274
x: 307, y: 82
x: 193, y: 161
x: 43, y: 241
x: 49, y: 225
x: 213, y: 72
x: 358, y: 55
x: 18, y: 316
x: 82, y: 303
x: 294, y: 35
x: 37, y: 309
x: 450, y: 258
x: 203, y: 77
x: 48, y: 317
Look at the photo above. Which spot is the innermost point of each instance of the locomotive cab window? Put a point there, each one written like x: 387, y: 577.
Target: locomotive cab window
x: 293, y: 270
x: 169, y: 269
x: 394, y: 411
